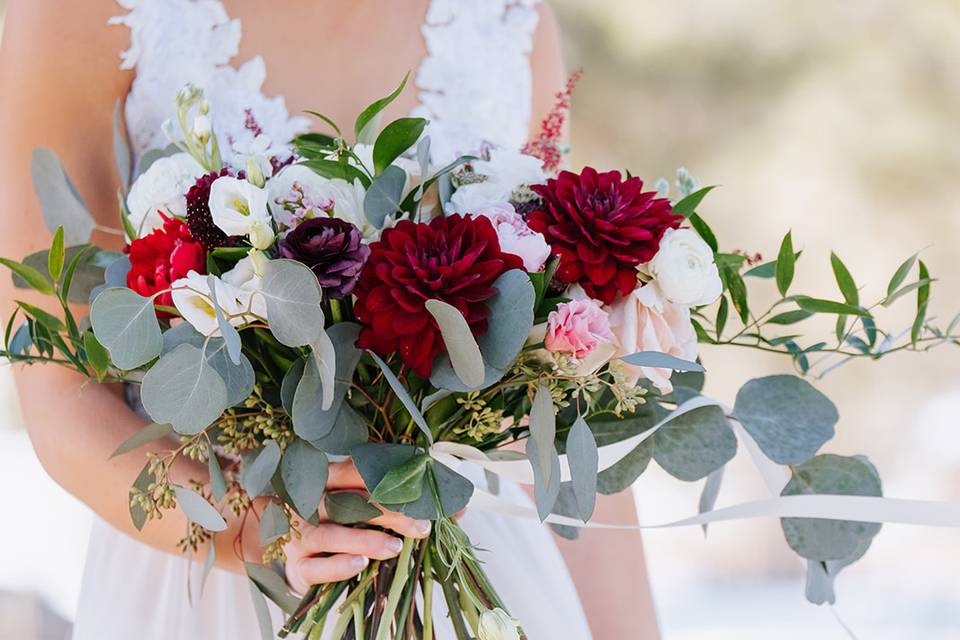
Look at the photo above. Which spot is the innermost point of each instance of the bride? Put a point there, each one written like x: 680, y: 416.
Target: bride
x: 484, y: 70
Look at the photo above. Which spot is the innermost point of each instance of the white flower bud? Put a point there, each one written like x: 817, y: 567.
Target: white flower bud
x: 255, y: 173
x: 261, y: 234
x: 202, y: 127
x: 496, y: 624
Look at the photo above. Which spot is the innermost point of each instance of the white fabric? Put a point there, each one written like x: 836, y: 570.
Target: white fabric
x: 476, y: 88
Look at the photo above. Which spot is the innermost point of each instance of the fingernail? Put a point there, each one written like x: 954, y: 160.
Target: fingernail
x: 361, y: 562
x: 423, y: 526
x: 395, y: 545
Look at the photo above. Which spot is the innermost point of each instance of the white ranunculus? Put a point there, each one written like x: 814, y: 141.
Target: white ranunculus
x: 162, y: 188
x: 237, y: 206
x: 684, y: 269
x: 496, y: 624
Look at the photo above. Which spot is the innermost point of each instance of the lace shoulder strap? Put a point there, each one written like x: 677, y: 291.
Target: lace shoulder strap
x: 475, y: 81
x: 175, y: 42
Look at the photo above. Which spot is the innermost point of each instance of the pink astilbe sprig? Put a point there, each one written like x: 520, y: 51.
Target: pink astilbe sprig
x: 547, y: 145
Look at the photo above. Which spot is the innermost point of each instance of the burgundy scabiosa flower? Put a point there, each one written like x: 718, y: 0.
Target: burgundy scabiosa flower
x: 162, y: 256
x: 332, y: 248
x: 455, y: 259
x: 601, y: 226
x: 199, y: 218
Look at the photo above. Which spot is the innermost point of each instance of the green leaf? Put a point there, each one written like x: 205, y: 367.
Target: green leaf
x: 79, y: 265
x: 304, y: 472
x: 723, y: 310
x: 49, y: 321
x: 273, y: 585
x: 817, y: 305
x: 403, y: 483
x: 317, y: 137
x: 396, y: 137
x: 689, y: 204
x: 335, y: 169
x: 293, y: 297
x: 785, y: 264
x: 142, y: 483
x: 376, y: 107
x: 59, y: 199
x: 789, y: 419
x: 403, y: 396
x: 274, y: 523
x: 625, y: 471
x: 218, y: 484
x: 97, y: 355
x: 57, y: 255
x: 901, y: 273
x: 704, y: 230
x: 542, y: 452
x: 238, y: 379
x: 288, y: 387
x: 461, y: 347
x: 789, y: 317
x: 821, y: 539
x: 347, y: 507
x: 768, y: 269
x: 583, y: 458
x: 899, y: 293
x: 923, y: 297
x: 660, y: 360
x: 126, y: 324
x: 310, y: 420
x: 694, y: 444
x: 182, y: 389
x: 147, y: 434
x: 31, y: 276
x: 257, y: 474
x: 734, y: 284
x: 384, y: 196
x: 848, y: 287
x: 199, y: 510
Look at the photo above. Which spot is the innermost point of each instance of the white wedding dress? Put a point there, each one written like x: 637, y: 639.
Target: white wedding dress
x: 474, y: 87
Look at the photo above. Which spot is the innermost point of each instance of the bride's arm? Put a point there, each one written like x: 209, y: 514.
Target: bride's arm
x: 607, y: 566
x: 59, y: 80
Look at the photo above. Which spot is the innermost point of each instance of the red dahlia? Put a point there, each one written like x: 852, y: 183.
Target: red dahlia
x: 455, y: 259
x: 164, y: 255
x: 601, y: 227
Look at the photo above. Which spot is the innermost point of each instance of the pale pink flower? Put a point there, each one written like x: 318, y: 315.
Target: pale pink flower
x: 577, y: 327
x: 645, y: 321
x: 515, y: 236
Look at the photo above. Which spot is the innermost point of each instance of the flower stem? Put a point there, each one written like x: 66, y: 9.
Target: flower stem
x: 427, y: 586
x: 396, y: 589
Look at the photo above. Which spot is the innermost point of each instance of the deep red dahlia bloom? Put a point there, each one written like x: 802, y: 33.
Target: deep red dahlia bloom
x: 601, y: 227
x: 455, y: 259
x: 161, y: 257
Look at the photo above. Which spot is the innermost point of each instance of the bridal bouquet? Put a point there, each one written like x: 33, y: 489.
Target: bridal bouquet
x: 494, y: 313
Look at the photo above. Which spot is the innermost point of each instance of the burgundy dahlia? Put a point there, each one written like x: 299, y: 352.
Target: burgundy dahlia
x: 332, y: 248
x: 601, y: 227
x: 199, y: 218
x: 455, y: 259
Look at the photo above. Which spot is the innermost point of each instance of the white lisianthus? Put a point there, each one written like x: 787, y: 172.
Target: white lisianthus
x: 684, y: 269
x: 496, y: 624
x: 192, y: 298
x: 239, y: 208
x: 246, y: 278
x: 162, y: 188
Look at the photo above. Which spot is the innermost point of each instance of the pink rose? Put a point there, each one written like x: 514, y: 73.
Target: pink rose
x: 645, y: 321
x: 577, y: 327
x: 516, y: 237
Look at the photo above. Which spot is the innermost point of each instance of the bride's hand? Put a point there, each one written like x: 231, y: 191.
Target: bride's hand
x: 330, y: 552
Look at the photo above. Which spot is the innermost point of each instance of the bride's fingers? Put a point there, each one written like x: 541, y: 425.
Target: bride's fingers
x: 335, y: 538
x: 404, y: 525
x: 343, y: 475
x: 307, y: 571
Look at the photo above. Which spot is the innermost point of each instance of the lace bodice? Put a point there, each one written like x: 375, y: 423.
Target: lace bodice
x: 474, y: 84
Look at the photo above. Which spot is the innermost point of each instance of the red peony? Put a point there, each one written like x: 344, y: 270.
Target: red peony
x: 601, y: 227
x: 161, y: 257
x: 455, y: 259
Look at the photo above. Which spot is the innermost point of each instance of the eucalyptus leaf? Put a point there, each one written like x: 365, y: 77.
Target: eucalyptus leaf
x: 385, y: 195
x: 289, y: 384
x: 273, y: 523
x: 260, y: 608
x: 238, y: 378
x: 827, y: 474
x: 566, y: 505
x: 182, y: 389
x: 310, y: 419
x: 460, y: 344
x: 349, y: 431
x: 113, y: 275
x: 304, y: 471
x: 145, y: 435
x: 710, y: 493
x: 694, y: 444
x: 293, y: 297
x: 199, y: 510
x: 789, y: 419
x: 510, y: 319
x: 273, y: 585
x: 546, y: 487
x: 218, y: 484
x: 61, y: 204
x: 403, y: 396
x: 423, y: 160
x: 126, y: 324
x: 142, y: 484
x: 543, y: 428
x: 347, y: 507
x: 660, y: 360
x: 621, y: 475
x: 228, y: 332
x: 256, y: 476
x: 403, y: 483
x: 583, y: 458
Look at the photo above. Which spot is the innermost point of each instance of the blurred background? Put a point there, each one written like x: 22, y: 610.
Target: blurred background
x: 838, y: 120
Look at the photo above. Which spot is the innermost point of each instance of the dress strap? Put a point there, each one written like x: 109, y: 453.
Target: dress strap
x: 475, y: 82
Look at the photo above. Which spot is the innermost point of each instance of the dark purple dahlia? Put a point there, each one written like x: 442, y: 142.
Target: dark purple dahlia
x: 332, y: 248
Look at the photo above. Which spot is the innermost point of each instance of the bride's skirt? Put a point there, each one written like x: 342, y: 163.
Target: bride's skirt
x: 131, y: 591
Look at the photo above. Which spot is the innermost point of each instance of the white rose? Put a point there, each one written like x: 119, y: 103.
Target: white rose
x: 496, y: 624
x: 162, y: 188
x: 237, y: 206
x: 684, y: 269
x: 645, y: 321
